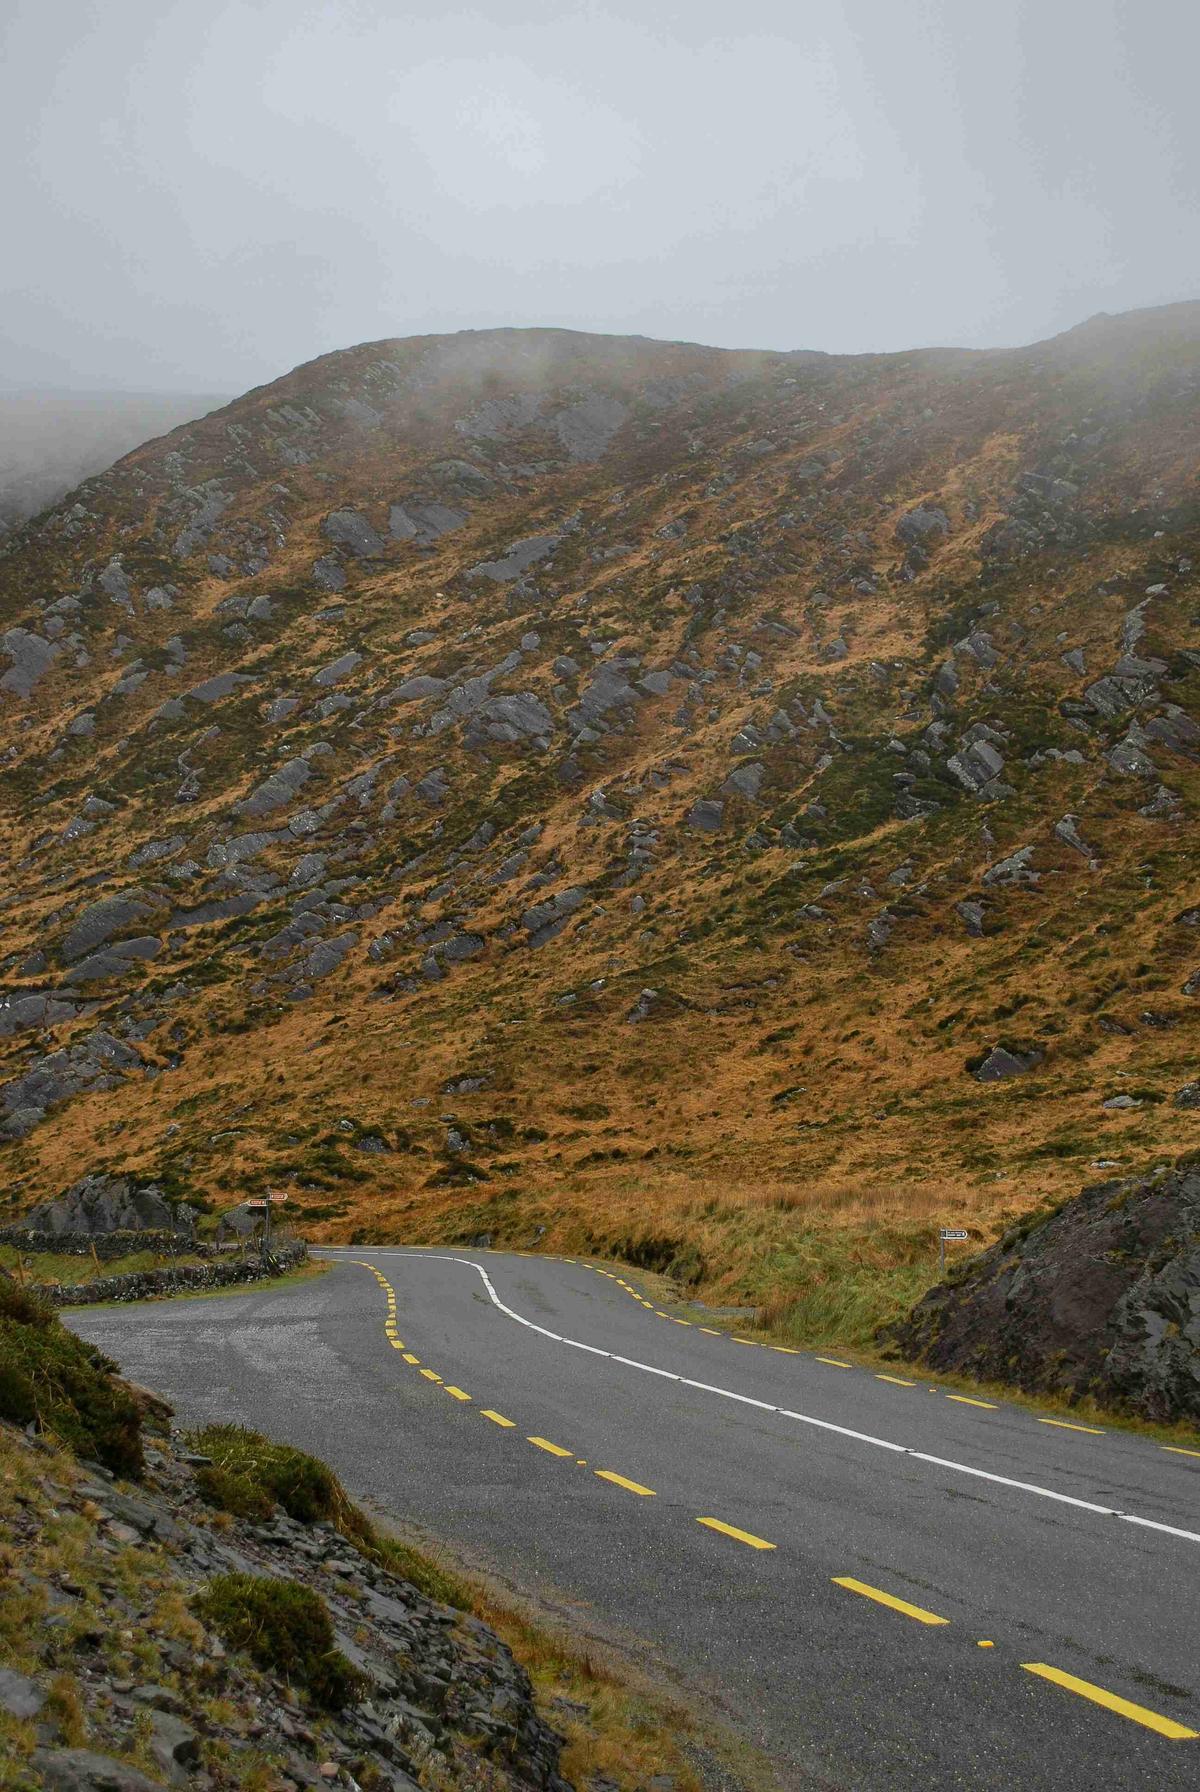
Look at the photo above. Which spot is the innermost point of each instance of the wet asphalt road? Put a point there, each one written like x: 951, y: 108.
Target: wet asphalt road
x: 860, y: 1573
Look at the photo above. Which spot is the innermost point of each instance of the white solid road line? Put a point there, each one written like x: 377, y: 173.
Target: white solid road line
x: 801, y: 1418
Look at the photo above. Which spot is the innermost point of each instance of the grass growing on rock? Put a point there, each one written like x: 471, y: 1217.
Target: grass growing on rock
x: 51, y: 1378
x: 250, y: 1475
x: 286, y: 1628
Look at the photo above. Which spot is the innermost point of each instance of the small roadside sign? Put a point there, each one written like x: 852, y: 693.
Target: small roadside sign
x: 955, y: 1232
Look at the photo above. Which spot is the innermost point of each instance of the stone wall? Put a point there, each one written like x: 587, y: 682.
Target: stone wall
x: 105, y: 1245
x: 145, y: 1284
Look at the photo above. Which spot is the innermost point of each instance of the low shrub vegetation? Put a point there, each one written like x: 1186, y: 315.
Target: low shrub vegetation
x: 250, y: 1476
x: 285, y: 1628
x: 52, y: 1379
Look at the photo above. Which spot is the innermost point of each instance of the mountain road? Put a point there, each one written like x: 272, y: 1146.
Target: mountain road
x: 881, y: 1582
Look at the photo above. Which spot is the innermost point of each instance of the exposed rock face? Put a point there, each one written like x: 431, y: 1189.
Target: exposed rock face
x: 1100, y: 1298
x: 516, y: 559
x: 924, y: 525
x: 31, y: 657
x: 1001, y: 1063
x: 351, y: 530
x: 102, y: 1203
x: 420, y: 521
x: 96, y: 1061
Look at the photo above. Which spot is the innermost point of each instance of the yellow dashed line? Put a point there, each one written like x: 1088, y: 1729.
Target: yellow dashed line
x: 896, y: 1381
x: 730, y: 1530
x: 457, y: 1392
x: 497, y: 1418
x: 430, y: 1376
x: 543, y: 1443
x: 607, y: 1474
x: 1064, y: 1425
x: 965, y: 1400
x: 783, y: 1350
x: 751, y: 1341
x: 1178, y: 1450
x: 410, y: 1358
x: 881, y: 1598
x: 397, y: 1344
x: 708, y: 1331
x: 681, y: 1321
x: 833, y: 1362
x: 1165, y: 1726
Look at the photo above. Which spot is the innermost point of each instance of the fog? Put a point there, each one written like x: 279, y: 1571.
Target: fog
x: 50, y: 441
x: 197, y: 197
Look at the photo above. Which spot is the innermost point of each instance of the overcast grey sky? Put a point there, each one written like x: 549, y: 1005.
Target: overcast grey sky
x: 198, y: 194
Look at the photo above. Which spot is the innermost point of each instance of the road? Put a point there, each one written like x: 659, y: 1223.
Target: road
x: 882, y: 1583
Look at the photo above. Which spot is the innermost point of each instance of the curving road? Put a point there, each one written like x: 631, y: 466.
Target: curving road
x: 881, y: 1583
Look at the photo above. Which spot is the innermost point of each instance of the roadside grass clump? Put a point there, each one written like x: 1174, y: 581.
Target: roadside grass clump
x: 250, y: 1475
x: 285, y: 1628
x: 52, y: 1379
x: 847, y: 1308
x: 238, y: 1494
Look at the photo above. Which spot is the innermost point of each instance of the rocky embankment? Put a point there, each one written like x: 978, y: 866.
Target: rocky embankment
x: 1100, y: 1298
x: 123, y: 1672
x: 99, y: 1205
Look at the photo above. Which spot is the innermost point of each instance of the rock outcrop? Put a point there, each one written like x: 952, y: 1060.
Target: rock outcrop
x: 101, y: 1203
x: 1100, y: 1297
x: 433, y: 1697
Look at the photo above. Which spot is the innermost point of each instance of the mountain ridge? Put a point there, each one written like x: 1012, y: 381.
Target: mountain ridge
x: 672, y: 709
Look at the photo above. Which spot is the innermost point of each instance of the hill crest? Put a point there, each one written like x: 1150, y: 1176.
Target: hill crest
x: 528, y: 779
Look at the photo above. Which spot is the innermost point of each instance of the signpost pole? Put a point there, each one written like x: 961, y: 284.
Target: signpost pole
x: 944, y: 1232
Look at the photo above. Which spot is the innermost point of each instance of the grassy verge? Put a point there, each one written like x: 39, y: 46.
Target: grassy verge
x: 71, y: 1270
x: 619, y: 1727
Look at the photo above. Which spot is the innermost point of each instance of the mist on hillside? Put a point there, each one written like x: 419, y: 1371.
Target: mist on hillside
x: 203, y: 197
x: 50, y: 441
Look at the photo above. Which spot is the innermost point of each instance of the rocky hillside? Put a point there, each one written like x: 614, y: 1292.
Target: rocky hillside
x: 685, y: 800
x: 1101, y: 1297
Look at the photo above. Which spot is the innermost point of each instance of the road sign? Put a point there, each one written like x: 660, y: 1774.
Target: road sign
x: 954, y: 1232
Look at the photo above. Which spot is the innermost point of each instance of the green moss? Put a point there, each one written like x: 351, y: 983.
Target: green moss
x: 284, y: 1627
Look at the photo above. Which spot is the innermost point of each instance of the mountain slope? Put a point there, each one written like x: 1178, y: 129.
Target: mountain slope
x: 49, y: 441
x: 734, y: 807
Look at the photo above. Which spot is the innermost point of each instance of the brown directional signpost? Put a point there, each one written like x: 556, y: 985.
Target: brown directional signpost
x: 274, y: 1197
